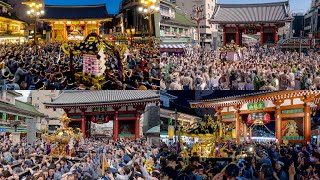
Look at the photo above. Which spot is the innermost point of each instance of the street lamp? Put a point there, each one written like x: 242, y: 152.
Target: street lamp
x: 147, y: 8
x: 35, y: 11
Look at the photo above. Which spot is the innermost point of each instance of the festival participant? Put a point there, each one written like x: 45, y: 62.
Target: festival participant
x: 292, y: 162
x: 48, y: 67
x: 125, y: 159
x: 280, y: 70
x: 279, y: 172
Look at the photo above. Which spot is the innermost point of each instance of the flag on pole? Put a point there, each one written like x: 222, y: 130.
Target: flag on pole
x: 105, y: 164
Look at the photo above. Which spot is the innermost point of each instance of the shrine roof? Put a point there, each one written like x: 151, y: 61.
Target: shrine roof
x: 277, y: 12
x: 55, y: 12
x: 254, y: 97
x: 92, y: 98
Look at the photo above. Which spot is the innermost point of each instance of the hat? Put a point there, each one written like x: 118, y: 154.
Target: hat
x: 70, y: 82
x: 138, y: 174
x: 82, y: 87
x: 175, y: 74
x: 11, y: 78
x: 142, y: 87
x: 28, y: 162
x: 281, y: 163
x: 113, y: 170
x: 126, y: 158
x: 6, y: 74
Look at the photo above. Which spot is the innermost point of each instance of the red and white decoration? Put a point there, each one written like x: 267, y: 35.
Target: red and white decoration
x: 264, y: 117
x: 92, y: 65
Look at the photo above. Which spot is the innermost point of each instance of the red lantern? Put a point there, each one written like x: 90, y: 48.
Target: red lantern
x: 107, y: 119
x: 93, y: 119
x: 266, y: 118
x: 249, y: 120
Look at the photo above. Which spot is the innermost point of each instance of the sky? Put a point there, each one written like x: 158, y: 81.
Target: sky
x: 295, y: 5
x: 112, y: 5
x: 25, y: 94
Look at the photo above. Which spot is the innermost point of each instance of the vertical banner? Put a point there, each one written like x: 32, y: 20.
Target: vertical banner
x: 31, y: 130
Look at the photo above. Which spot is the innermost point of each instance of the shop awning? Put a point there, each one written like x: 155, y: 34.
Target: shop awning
x: 172, y: 46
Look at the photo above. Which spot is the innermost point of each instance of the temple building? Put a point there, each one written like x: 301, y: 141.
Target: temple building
x: 106, y: 113
x: 11, y: 27
x: 17, y: 117
x: 291, y: 111
x: 74, y: 22
x: 263, y: 20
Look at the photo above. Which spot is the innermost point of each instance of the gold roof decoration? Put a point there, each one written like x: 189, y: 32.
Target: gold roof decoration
x: 232, y: 47
x: 92, y: 45
x: 65, y: 120
x: 63, y: 138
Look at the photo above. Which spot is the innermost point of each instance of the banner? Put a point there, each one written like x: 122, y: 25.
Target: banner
x: 256, y: 106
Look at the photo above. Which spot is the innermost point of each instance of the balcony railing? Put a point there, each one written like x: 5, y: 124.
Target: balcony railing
x: 166, y: 13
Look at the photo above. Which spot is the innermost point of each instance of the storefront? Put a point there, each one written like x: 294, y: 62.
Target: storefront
x: 105, y: 113
x: 11, y: 30
x: 119, y: 38
x: 290, y: 110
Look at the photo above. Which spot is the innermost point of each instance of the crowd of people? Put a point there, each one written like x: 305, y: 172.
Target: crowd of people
x: 257, y: 68
x: 94, y: 159
x: 263, y: 161
x: 47, y: 67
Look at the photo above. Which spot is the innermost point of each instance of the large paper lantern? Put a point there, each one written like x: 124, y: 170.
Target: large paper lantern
x: 264, y: 117
x: 107, y: 119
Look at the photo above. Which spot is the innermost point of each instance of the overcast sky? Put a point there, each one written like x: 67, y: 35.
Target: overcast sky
x: 25, y: 94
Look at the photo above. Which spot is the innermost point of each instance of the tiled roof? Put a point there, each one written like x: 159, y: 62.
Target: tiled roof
x: 217, y: 96
x: 255, y: 13
x: 24, y: 107
x: 179, y: 19
x: 155, y: 129
x: 94, y: 97
x: 75, y: 12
